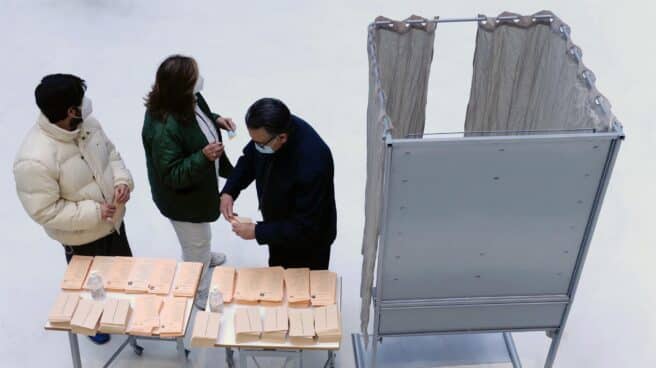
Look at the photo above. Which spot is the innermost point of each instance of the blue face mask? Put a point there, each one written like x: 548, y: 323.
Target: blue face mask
x: 264, y: 149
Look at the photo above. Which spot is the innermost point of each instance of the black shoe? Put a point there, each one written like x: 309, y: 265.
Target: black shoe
x: 100, y: 338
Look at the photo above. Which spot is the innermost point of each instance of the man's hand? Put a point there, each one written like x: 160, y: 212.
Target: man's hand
x: 121, y: 193
x: 213, y: 151
x: 226, y: 206
x: 244, y: 231
x: 226, y: 123
x: 107, y: 211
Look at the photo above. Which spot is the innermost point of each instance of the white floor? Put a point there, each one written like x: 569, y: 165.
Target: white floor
x: 313, y: 56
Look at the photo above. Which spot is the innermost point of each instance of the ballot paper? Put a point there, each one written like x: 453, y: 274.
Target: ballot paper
x: 327, y: 324
x: 206, y: 329
x: 145, y: 316
x: 301, y: 326
x: 76, y: 273
x: 115, y: 316
x: 241, y: 220
x: 86, y: 317
x: 118, y: 274
x: 161, y: 276
x: 101, y: 265
x: 187, y: 278
x: 260, y: 284
x: 62, y: 311
x: 323, y: 287
x: 297, y: 282
x: 172, y: 317
x: 276, y: 324
x: 223, y: 278
x: 139, y: 276
x: 248, y: 325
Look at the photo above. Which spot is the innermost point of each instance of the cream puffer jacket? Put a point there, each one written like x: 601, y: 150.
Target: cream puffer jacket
x: 62, y: 178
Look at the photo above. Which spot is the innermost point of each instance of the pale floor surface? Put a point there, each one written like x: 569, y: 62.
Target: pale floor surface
x: 313, y: 56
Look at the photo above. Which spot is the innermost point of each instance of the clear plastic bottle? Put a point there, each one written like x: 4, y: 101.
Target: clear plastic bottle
x: 216, y: 300
x: 96, y: 287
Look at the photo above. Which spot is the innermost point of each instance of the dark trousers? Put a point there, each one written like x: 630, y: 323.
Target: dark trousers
x: 313, y: 258
x: 114, y: 244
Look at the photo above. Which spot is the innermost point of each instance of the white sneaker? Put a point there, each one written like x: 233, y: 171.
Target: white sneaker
x: 217, y: 259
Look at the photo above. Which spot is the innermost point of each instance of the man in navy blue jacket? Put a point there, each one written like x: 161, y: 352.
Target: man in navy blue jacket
x: 293, y: 172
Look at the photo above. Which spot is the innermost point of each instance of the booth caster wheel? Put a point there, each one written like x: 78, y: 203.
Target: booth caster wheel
x: 187, y: 351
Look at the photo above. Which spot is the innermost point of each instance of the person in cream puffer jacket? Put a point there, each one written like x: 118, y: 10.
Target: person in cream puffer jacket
x: 64, y: 179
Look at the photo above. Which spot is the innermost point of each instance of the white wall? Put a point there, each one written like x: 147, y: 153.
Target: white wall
x: 313, y: 56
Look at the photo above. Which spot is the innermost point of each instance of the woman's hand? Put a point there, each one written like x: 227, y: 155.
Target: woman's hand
x: 213, y: 151
x: 226, y: 123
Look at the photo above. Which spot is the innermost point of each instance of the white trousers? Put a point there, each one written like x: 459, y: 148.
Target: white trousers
x: 195, y: 241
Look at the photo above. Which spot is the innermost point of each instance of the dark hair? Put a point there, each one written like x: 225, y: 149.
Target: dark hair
x: 270, y: 114
x: 57, y: 93
x: 173, y: 91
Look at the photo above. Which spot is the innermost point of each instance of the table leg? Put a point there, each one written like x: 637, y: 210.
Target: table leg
x: 182, y: 351
x: 300, y: 359
x: 230, y: 357
x: 75, y: 350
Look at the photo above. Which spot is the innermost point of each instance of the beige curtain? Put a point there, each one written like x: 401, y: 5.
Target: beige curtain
x: 400, y: 55
x: 528, y: 76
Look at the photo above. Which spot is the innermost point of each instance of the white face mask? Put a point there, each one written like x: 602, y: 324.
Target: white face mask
x: 264, y: 149
x: 199, y: 84
x: 86, y: 108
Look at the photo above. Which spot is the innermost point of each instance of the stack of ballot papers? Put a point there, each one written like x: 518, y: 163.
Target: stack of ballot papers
x: 86, y: 317
x: 161, y: 276
x: 323, y: 288
x: 140, y: 275
x: 118, y: 273
x: 206, y: 329
x: 297, y: 282
x: 172, y: 317
x: 260, y: 285
x: 223, y: 278
x: 248, y: 325
x: 115, y: 316
x: 301, y: 326
x: 76, y: 273
x: 62, y: 311
x: 187, y: 278
x: 276, y: 324
x: 145, y: 316
x: 327, y: 324
x: 101, y: 265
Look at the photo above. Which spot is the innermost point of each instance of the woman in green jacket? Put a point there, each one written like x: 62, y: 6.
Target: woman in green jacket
x: 185, y: 157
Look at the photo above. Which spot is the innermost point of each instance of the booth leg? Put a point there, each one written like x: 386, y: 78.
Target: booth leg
x: 553, y: 348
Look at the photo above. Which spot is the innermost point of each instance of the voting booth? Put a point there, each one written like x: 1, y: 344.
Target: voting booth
x: 484, y: 231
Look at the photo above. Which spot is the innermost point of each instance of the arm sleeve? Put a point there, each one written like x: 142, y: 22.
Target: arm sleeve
x: 242, y: 174
x: 121, y: 173
x: 306, y: 219
x: 177, y: 169
x: 38, y: 191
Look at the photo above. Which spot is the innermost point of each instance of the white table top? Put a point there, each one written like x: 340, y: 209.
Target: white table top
x: 131, y: 297
x: 227, y: 337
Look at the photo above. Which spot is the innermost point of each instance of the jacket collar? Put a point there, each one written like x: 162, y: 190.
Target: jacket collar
x: 55, y: 132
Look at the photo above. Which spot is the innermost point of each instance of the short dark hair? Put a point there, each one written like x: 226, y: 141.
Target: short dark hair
x: 270, y: 114
x: 57, y: 93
